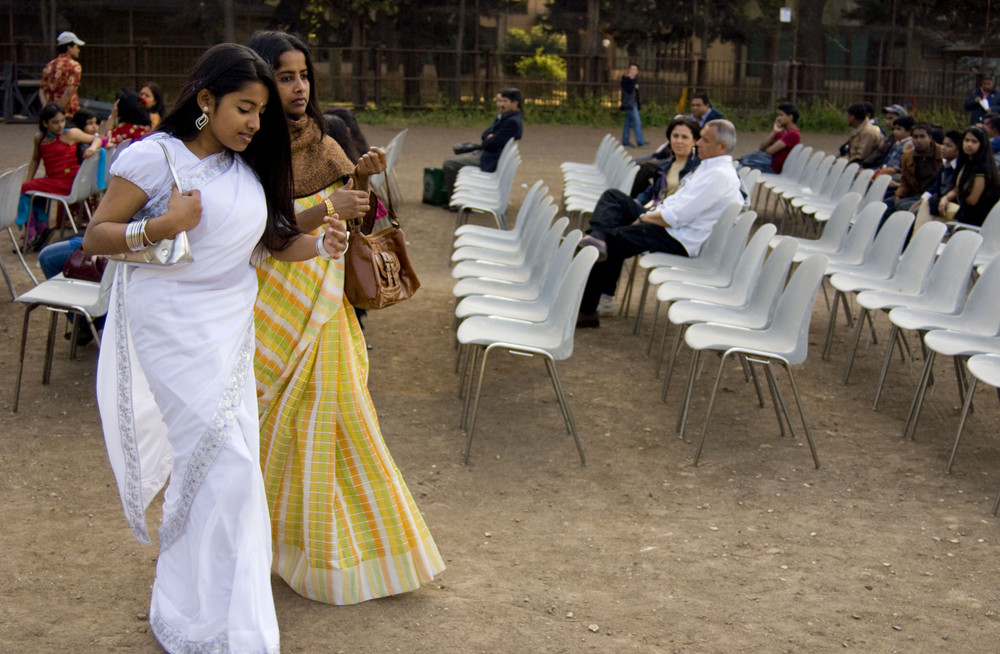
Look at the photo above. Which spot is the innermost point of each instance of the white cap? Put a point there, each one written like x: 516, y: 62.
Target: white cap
x: 68, y: 37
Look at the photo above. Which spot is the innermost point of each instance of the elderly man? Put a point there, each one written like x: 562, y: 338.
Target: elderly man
x: 61, y: 76
x: 679, y: 224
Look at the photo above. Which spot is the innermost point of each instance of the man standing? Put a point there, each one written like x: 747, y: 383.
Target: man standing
x: 631, y: 105
x: 679, y: 224
x: 775, y: 148
x: 507, y: 126
x: 61, y: 76
x: 983, y: 99
x: 702, y: 110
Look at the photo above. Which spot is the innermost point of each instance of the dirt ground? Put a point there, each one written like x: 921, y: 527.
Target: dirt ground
x: 754, y: 550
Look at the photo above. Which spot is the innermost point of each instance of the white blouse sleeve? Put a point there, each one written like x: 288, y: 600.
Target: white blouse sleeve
x: 144, y: 165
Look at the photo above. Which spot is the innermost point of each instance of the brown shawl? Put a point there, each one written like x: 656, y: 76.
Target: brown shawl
x: 317, y: 160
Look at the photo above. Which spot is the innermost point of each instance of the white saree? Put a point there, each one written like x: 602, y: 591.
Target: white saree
x: 177, y: 399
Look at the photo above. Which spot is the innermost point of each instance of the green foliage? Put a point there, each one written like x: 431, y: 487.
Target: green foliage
x: 534, y: 40
x: 542, y: 67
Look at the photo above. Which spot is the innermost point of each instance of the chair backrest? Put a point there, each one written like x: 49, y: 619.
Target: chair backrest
x: 792, y: 160
x: 748, y: 268
x: 833, y: 177
x: 394, y: 148
x: 883, y: 255
x: 949, y: 278
x: 736, y: 241
x: 917, y: 259
x: 982, y: 311
x: 795, y: 306
x: 876, y: 191
x: 749, y: 180
x: 531, y: 203
x: 759, y: 308
x: 858, y: 240
x: 711, y: 249
x: 861, y: 181
x: 843, y: 185
x: 557, y: 267
x: 820, y: 173
x: 990, y: 231
x: 808, y: 168
x: 839, y: 222
x: 10, y: 193
x: 567, y: 302
x: 545, y: 243
x: 85, y: 181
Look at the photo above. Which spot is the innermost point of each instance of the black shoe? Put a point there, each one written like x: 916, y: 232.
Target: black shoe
x: 40, y: 240
x: 588, y: 321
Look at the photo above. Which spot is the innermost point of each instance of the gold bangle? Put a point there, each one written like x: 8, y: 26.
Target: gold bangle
x: 330, y: 212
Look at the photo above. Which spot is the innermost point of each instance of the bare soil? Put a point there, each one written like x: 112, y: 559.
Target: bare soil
x: 753, y: 550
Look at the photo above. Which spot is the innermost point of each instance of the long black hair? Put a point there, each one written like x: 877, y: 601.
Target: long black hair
x: 981, y: 163
x: 157, y: 91
x: 131, y: 109
x: 48, y: 112
x: 224, y: 69
x: 270, y: 45
x: 358, y: 141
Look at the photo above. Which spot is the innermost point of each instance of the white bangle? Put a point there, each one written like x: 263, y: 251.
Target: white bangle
x: 133, y: 235
x: 320, y: 250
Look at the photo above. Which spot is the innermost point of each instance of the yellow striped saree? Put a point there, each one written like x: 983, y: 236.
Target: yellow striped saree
x: 345, y: 528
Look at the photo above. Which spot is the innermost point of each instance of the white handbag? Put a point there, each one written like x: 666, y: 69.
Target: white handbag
x: 166, y: 251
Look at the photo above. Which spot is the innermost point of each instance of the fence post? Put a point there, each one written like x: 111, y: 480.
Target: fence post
x: 377, y: 62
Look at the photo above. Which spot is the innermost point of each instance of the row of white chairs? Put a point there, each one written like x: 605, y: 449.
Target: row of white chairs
x: 477, y: 191
x: 583, y: 183
x: 518, y: 290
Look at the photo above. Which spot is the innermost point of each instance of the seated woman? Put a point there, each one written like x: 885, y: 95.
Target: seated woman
x: 977, y: 184
x: 129, y: 120
x: 152, y: 98
x: 55, y: 147
x: 615, y: 209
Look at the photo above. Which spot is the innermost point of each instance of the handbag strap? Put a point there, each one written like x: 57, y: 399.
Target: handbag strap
x: 170, y: 164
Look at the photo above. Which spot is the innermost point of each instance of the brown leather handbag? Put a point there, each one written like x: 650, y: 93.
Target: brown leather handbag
x: 378, y: 269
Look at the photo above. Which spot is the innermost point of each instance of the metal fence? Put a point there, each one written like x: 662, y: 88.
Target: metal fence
x: 383, y: 78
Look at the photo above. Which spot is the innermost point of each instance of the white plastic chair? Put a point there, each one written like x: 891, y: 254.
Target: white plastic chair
x: 88, y: 300
x: 879, y: 262
x: 876, y: 191
x: 10, y: 192
x: 531, y: 310
x: 982, y: 367
x: 83, y: 185
x: 834, y: 232
x: 541, y: 219
x: 732, y: 291
x: 521, y: 272
x: 500, y: 239
x: 944, y: 291
x: 979, y: 317
x: 708, y: 258
x: 785, y: 341
x: 909, y: 275
x: 551, y: 339
x: 756, y: 311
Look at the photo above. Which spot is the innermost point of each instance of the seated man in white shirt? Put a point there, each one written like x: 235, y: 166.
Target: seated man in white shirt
x: 679, y: 224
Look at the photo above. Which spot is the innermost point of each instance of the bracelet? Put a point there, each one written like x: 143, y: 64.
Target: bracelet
x: 133, y: 235
x: 330, y: 212
x: 144, y: 237
x: 320, y: 250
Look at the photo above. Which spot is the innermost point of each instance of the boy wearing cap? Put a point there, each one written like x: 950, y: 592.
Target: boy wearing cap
x: 61, y: 76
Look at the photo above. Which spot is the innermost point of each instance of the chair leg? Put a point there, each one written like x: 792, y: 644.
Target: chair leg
x: 708, y: 414
x: 854, y: 346
x: 467, y: 377
x: 627, y: 292
x: 642, y: 304
x: 6, y: 276
x: 748, y: 368
x: 50, y: 348
x: 564, y: 405
x: 652, y: 326
x: 802, y: 414
x: 917, y: 404
x: 961, y: 423
x: 830, y: 325
x: 475, y: 406
x: 20, y: 255
x: 663, y: 340
x: 777, y: 401
x: 682, y: 420
x: 24, y: 344
x: 893, y: 335
x: 674, y: 350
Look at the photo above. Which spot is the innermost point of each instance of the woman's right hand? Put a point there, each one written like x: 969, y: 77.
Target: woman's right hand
x: 184, y: 209
x: 350, y: 204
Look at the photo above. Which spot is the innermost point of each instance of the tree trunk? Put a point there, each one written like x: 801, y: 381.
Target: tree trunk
x: 811, y: 48
x: 359, y: 93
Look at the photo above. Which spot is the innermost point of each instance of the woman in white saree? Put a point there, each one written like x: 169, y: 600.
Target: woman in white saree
x: 175, y: 378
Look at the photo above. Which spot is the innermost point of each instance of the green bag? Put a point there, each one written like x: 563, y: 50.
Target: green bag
x: 434, y: 191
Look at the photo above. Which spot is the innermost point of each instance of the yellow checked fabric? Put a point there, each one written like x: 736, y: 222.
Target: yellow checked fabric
x: 344, y: 526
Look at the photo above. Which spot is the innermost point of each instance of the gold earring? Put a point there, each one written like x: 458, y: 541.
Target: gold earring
x: 202, y: 120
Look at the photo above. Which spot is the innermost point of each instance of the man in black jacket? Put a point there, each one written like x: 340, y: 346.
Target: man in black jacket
x: 507, y: 126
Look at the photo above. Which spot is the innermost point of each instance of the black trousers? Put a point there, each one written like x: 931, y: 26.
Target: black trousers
x: 612, y: 221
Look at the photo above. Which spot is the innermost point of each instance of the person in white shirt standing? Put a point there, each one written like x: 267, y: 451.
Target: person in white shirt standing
x: 679, y: 224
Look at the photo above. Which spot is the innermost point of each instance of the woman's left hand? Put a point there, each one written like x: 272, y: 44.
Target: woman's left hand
x: 335, y: 236
x: 371, y: 163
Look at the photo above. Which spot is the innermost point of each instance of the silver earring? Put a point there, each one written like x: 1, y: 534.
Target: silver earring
x: 201, y: 120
